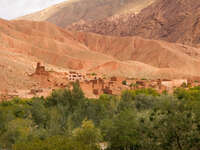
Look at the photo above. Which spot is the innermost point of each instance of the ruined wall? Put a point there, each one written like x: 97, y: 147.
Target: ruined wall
x: 40, y: 70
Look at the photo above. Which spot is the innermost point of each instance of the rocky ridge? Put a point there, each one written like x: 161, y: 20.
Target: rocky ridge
x: 169, y: 20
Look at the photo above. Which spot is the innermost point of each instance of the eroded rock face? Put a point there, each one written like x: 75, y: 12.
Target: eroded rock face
x: 117, y: 25
x: 170, y: 20
x: 155, y: 53
x: 72, y: 11
x: 23, y: 43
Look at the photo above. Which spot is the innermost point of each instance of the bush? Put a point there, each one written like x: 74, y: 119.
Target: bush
x: 138, y: 119
x: 124, y: 82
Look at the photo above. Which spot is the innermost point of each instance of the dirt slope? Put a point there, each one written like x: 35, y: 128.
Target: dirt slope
x: 72, y: 11
x: 159, y: 54
x: 24, y: 43
x: 13, y: 67
x: 170, y: 20
x: 49, y: 43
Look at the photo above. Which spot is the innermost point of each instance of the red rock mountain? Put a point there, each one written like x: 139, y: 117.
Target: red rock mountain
x: 24, y: 43
x: 72, y: 11
x: 155, y: 53
x: 170, y: 20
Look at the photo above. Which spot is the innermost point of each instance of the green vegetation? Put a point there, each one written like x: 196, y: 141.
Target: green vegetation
x: 93, y: 74
x: 124, y: 82
x: 133, y: 85
x: 143, y: 79
x: 136, y: 120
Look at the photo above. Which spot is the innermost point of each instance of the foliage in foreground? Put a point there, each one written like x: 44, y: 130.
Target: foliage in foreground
x: 136, y: 120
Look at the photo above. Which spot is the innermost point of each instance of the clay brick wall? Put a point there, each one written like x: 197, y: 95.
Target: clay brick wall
x: 173, y: 83
x: 107, y: 90
x: 113, y: 78
x: 40, y: 70
x: 95, y: 91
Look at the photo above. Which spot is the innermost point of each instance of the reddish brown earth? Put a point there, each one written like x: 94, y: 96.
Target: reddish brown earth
x: 48, y: 43
x: 117, y: 25
x: 170, y: 20
x: 24, y: 43
x: 123, y: 38
x: 155, y: 53
x: 72, y: 11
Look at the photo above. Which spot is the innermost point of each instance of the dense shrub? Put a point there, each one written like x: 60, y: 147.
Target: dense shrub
x: 137, y: 120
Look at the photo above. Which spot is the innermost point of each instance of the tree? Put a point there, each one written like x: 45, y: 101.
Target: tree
x: 39, y: 113
x: 124, y: 82
x: 143, y: 102
x: 123, y: 134
x: 51, y: 143
x: 87, y: 135
x: 174, y: 126
x: 17, y: 130
x: 133, y: 86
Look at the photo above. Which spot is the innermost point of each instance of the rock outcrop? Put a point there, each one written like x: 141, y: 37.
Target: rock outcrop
x: 23, y: 43
x: 72, y: 11
x: 170, y: 20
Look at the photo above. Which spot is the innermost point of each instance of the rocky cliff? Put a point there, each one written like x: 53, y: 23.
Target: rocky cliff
x: 170, y: 20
